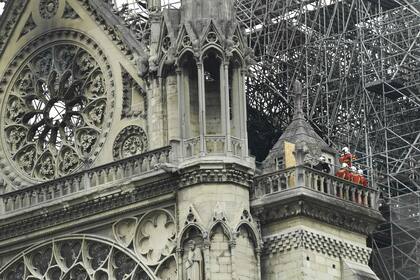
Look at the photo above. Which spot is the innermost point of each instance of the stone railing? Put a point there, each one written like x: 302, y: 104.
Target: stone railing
x: 83, y: 181
x: 306, y: 177
x: 213, y: 145
x: 237, y: 146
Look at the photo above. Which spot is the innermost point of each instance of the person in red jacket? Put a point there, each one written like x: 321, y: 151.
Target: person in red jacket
x: 346, y: 157
x: 343, y: 173
x: 351, y: 173
x: 356, y: 178
x: 363, y: 180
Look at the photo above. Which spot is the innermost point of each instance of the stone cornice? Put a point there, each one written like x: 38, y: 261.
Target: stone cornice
x: 308, y: 203
x: 98, y: 204
x: 225, y: 173
x: 303, y: 239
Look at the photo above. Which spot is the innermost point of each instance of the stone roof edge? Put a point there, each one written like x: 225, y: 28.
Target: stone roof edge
x: 98, y: 10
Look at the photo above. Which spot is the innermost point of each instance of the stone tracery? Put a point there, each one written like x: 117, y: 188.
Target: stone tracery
x: 75, y: 258
x: 130, y: 141
x: 55, y: 111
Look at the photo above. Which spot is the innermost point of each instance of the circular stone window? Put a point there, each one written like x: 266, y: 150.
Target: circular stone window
x: 55, y: 109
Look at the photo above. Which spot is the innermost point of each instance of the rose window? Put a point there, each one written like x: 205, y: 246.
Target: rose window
x: 55, y: 111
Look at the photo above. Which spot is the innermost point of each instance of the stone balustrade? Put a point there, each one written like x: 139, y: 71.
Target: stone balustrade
x: 83, y: 181
x: 213, y: 145
x: 318, y: 181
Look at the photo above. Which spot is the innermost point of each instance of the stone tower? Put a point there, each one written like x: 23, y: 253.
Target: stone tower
x: 200, y: 61
x: 124, y: 160
x: 314, y: 225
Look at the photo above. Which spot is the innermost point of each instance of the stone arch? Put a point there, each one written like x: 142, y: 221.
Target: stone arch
x: 184, y: 233
x: 189, y: 87
x: 212, y: 47
x: 220, y: 253
x: 191, y: 233
x: 185, y: 52
x: 213, y: 78
x: 237, y: 54
x: 246, y: 261
x: 84, y: 255
x: 253, y: 232
x: 225, y: 228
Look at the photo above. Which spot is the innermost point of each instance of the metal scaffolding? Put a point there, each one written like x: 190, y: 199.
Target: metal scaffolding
x: 397, y: 254
x: 359, y: 63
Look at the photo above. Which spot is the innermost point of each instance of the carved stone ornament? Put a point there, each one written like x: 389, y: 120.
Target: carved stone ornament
x: 76, y: 257
x: 48, y: 8
x: 124, y: 231
x: 168, y: 270
x: 131, y: 141
x: 56, y: 111
x: 155, y: 237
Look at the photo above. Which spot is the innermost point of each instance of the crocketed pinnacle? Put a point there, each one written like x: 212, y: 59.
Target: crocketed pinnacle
x: 298, y: 112
x: 299, y: 130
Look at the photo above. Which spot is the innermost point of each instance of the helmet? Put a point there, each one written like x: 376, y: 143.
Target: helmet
x: 344, y: 165
x: 360, y: 171
x: 353, y: 168
x: 345, y: 150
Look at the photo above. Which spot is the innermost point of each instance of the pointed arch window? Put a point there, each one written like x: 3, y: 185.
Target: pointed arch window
x: 213, y: 77
x: 189, y: 84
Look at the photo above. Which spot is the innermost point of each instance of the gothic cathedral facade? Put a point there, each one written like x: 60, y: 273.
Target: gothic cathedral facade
x: 124, y: 160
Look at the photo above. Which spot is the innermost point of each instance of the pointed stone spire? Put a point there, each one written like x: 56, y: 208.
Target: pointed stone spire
x: 298, y: 132
x: 298, y: 99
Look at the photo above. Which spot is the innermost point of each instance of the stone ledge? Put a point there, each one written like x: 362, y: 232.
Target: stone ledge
x: 306, y: 202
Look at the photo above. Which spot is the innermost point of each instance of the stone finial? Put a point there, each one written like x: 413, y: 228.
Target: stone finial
x: 298, y: 100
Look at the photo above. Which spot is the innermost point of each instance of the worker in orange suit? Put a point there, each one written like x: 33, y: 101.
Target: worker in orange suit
x: 346, y: 157
x: 351, y: 173
x: 343, y: 172
x: 357, y: 177
x: 363, y: 180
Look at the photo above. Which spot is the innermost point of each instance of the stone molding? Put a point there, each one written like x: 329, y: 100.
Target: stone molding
x: 227, y: 174
x: 347, y: 216
x: 88, y: 208
x: 303, y: 239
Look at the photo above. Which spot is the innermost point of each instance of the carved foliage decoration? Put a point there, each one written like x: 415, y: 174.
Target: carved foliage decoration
x: 48, y: 8
x: 55, y: 111
x: 82, y: 258
x: 69, y: 12
x: 131, y: 141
